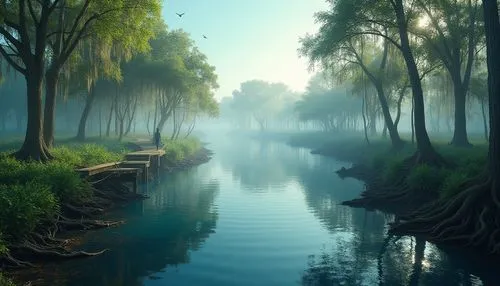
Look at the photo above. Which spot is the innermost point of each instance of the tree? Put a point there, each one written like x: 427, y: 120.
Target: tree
x: 471, y: 216
x: 260, y: 100
x: 27, y: 28
x: 24, y: 30
x: 444, y: 38
x: 340, y: 45
x: 128, y: 24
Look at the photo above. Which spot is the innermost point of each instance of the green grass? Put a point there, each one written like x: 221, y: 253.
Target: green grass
x: 177, y: 150
x: 31, y: 193
x: 469, y: 162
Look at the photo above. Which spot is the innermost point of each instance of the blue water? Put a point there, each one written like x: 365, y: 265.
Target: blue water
x: 259, y: 213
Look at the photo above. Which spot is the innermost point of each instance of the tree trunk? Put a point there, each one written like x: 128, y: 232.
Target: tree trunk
x: 85, y: 114
x: 485, y: 121
x: 100, y: 121
x: 364, y: 117
x: 148, y: 118
x: 412, y: 120
x: 372, y: 122
x: 425, y: 149
x: 51, y: 82
x: 156, y: 115
x: 161, y: 122
x: 34, y: 147
x: 400, y: 101
x: 492, y: 29
x: 121, y: 128
x: 110, y: 117
x: 131, y: 117
x: 393, y: 132
x: 191, y: 127
x: 460, y: 131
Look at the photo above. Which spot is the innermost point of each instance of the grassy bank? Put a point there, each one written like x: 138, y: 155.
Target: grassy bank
x: 34, y: 195
x: 467, y: 162
x: 178, y: 150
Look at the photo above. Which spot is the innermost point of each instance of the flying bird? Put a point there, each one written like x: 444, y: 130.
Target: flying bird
x: 180, y: 15
x: 205, y: 37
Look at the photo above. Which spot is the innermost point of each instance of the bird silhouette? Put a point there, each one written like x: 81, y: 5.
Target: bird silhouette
x: 205, y: 37
x: 180, y: 15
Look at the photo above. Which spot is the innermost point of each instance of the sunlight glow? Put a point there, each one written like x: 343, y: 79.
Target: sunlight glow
x: 423, y: 21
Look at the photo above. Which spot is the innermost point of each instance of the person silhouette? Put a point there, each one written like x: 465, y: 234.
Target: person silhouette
x: 157, y: 138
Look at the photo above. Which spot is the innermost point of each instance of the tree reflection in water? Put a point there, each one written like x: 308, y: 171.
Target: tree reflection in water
x: 362, y: 253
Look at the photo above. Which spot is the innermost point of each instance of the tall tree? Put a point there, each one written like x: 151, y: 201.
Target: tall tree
x: 471, y: 217
x: 340, y: 47
x: 126, y: 24
x: 24, y: 26
x: 454, y: 43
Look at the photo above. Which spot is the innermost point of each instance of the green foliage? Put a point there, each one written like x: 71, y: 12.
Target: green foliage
x: 23, y: 207
x: 64, y: 182
x: 391, y: 169
x: 177, y: 150
x: 426, y: 178
x: 85, y: 155
x: 4, y: 281
x: 452, y: 184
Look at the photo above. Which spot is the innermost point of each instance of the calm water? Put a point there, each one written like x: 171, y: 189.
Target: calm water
x: 259, y: 214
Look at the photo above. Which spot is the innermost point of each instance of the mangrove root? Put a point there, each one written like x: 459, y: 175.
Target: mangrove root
x: 470, y: 219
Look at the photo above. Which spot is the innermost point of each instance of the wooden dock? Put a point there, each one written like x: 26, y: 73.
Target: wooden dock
x: 137, y: 168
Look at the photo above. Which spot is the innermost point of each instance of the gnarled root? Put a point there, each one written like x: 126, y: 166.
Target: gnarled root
x: 55, y: 253
x: 85, y: 224
x: 470, y: 219
x: 11, y: 262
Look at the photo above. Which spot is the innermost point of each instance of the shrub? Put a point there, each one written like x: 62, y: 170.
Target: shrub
x: 425, y: 177
x: 61, y: 177
x: 4, y: 281
x: 451, y: 184
x: 23, y: 207
x: 177, y: 150
x: 84, y: 155
x: 65, y: 182
x: 391, y: 169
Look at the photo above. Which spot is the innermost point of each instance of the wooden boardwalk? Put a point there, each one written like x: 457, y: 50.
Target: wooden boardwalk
x: 137, y: 168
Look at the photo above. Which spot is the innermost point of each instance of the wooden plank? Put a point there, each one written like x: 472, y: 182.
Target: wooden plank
x: 144, y: 165
x: 135, y: 163
x: 124, y: 171
x: 90, y: 171
x: 137, y: 157
x: 159, y: 152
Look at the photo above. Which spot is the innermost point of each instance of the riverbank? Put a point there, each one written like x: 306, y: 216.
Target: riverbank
x: 447, y: 204
x: 383, y: 170
x: 38, y: 202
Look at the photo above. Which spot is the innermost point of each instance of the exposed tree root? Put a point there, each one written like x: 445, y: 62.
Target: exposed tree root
x: 85, y: 224
x: 470, y: 219
x: 11, y: 262
x: 84, y: 211
x: 55, y: 253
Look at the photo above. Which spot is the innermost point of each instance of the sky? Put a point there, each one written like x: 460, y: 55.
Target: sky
x: 249, y: 39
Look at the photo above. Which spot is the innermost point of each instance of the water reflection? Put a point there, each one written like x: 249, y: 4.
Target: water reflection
x: 262, y: 213
x: 160, y: 233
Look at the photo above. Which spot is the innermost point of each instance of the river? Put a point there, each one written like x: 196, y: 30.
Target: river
x: 259, y: 213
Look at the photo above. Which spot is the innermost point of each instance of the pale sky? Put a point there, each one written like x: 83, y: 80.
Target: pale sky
x: 249, y: 39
